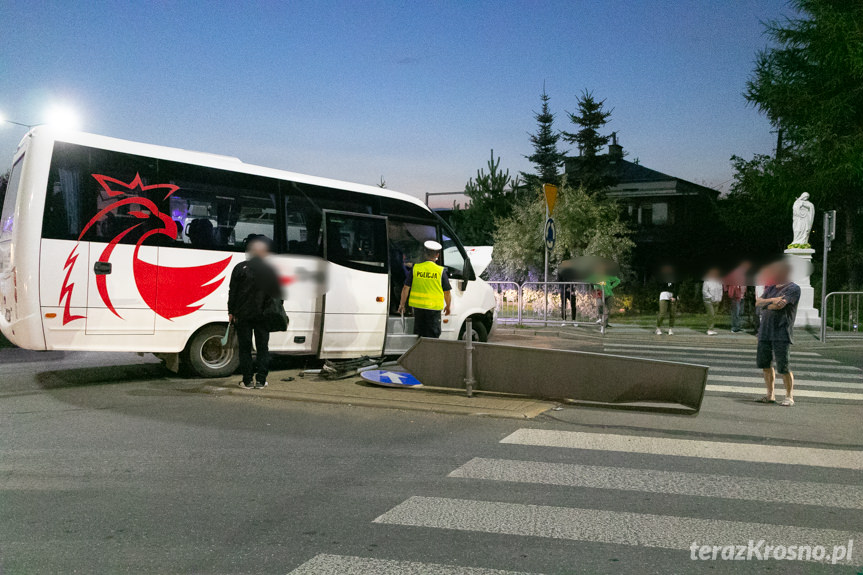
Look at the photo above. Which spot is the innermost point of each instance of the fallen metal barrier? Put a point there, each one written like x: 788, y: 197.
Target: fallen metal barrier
x: 582, y: 377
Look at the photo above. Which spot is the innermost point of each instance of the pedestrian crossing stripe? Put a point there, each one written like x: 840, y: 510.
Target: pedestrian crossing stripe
x: 797, y: 381
x: 753, y: 452
x: 326, y: 564
x: 743, y: 359
x: 666, y: 482
x: 710, y: 349
x: 754, y: 391
x: 852, y: 376
x: 598, y: 525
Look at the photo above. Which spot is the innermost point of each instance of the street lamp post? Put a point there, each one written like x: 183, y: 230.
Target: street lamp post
x: 57, y: 116
x: 28, y: 126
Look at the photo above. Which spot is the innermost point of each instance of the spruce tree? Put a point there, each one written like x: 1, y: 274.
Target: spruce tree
x: 492, y: 197
x: 546, y: 158
x: 593, y: 171
x: 590, y: 119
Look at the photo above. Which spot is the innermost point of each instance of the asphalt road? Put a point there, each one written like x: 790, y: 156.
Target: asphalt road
x: 110, y: 465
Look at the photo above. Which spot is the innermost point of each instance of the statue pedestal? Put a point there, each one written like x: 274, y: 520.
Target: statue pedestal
x: 801, y: 264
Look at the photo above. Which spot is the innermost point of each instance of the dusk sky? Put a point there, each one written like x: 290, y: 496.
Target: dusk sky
x: 415, y: 91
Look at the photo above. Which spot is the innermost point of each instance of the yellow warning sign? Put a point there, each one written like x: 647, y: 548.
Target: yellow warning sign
x: 550, y: 191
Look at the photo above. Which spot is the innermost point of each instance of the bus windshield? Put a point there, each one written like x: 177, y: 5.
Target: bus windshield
x: 7, y: 217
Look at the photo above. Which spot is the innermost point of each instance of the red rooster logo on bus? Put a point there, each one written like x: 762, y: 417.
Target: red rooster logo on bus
x: 169, y: 291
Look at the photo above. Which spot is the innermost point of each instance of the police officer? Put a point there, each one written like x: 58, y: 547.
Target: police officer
x: 428, y: 287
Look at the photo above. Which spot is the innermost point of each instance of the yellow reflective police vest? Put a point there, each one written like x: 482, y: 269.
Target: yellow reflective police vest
x: 426, y: 288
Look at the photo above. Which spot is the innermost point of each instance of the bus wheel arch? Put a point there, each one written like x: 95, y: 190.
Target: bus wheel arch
x: 479, y: 324
x: 204, y: 355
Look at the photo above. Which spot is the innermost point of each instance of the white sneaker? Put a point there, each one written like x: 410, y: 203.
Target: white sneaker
x: 602, y: 330
x: 658, y: 331
x: 671, y: 332
x: 711, y: 332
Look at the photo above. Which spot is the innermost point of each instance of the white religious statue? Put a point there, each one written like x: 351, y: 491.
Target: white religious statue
x: 804, y: 215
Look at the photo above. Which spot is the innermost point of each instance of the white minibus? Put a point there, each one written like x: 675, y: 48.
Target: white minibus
x: 113, y: 245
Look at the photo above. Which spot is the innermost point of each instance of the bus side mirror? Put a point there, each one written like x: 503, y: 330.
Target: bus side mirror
x: 467, y: 274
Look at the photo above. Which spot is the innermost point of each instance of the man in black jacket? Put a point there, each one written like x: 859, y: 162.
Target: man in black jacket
x: 253, y: 284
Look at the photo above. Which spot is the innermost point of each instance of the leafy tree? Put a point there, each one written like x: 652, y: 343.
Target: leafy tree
x: 586, y: 225
x: 593, y: 172
x: 492, y: 197
x: 810, y: 85
x: 756, y: 214
x: 546, y: 158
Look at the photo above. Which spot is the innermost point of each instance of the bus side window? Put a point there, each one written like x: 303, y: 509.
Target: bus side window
x: 101, y: 194
x: 218, y: 209
x: 303, y: 221
x: 358, y: 242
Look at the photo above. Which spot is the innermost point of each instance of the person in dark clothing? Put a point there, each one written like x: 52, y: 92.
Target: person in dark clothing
x: 567, y: 292
x: 253, y: 283
x: 778, y: 304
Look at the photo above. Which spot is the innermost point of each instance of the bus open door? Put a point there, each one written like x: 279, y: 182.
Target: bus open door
x: 355, y: 304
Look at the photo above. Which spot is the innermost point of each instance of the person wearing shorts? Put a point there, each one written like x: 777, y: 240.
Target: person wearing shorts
x: 778, y: 305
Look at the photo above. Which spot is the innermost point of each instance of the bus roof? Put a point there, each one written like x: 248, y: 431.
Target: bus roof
x: 208, y: 160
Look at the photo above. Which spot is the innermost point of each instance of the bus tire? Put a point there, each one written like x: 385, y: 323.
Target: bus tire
x: 205, y: 356
x: 480, y: 332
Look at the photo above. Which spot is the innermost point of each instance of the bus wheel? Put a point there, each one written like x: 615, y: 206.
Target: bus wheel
x: 207, y: 357
x: 480, y: 332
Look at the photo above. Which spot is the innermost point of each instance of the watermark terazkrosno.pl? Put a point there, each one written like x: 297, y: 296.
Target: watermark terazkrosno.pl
x: 761, y: 551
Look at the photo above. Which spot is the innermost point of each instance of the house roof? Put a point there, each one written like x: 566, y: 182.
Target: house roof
x: 637, y: 180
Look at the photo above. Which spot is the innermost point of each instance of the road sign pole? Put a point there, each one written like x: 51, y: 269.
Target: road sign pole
x: 545, y: 281
x: 550, y: 193
x: 829, y: 235
x: 469, y: 381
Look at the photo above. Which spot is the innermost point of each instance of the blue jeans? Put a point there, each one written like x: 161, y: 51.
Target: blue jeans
x: 736, y: 314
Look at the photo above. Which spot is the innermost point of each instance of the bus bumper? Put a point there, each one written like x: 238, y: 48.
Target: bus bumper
x: 25, y: 332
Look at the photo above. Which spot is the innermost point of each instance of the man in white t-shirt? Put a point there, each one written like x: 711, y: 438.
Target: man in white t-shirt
x: 667, y: 300
x: 711, y: 293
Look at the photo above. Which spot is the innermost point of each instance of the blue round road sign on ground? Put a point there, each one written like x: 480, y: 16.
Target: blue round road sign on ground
x: 389, y: 378
x: 550, y: 234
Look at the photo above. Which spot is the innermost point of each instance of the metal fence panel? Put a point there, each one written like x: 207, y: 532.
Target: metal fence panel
x: 840, y: 316
x: 507, y: 296
x: 558, y: 303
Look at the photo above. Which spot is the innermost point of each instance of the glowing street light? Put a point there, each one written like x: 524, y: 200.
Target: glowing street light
x: 59, y: 117
x: 62, y: 118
